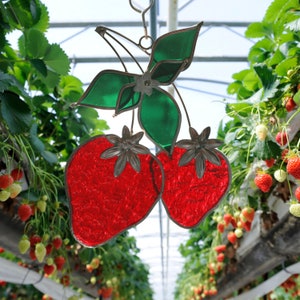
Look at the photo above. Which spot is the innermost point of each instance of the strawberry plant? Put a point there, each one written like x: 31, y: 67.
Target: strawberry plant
x: 38, y: 133
x: 261, y: 141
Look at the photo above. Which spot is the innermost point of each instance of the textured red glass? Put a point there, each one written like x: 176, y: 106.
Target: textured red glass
x: 103, y: 206
x: 186, y: 197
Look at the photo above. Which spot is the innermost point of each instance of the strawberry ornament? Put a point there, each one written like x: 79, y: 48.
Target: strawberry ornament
x: 113, y: 183
x: 197, y: 176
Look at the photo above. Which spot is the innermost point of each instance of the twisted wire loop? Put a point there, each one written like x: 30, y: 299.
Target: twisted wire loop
x: 143, y: 12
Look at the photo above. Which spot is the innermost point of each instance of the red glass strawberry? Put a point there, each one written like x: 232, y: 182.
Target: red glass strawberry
x: 112, y: 183
x: 197, y: 176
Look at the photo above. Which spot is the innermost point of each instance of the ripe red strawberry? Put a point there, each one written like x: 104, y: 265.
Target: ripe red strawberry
x: 289, y: 104
x: 32, y: 253
x: 220, y: 248
x: 297, y: 193
x: 103, y: 203
x: 57, y: 242
x: 5, y: 181
x: 248, y: 213
x: 220, y: 257
x: 59, y: 262
x: 246, y: 225
x: 281, y: 138
x: 24, y: 212
x: 16, y: 174
x: 34, y: 239
x: 233, y: 222
x: 65, y: 280
x: 293, y: 167
x: 49, y: 249
x: 270, y: 162
x: 263, y: 181
x: 227, y: 218
x: 231, y: 237
x: 221, y: 227
x: 49, y: 269
x: 187, y: 197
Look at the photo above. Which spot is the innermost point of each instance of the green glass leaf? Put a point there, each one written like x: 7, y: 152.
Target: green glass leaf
x: 166, y: 72
x: 128, y: 98
x: 177, y: 45
x: 103, y: 92
x: 15, y: 112
x: 160, y: 117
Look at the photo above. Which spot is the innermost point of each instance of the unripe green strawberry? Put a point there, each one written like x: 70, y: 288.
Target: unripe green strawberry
x: 261, y: 131
x: 49, y: 261
x: 40, y: 251
x: 295, y: 209
x: 280, y: 175
x: 14, y: 189
x: 4, y: 195
x: 238, y: 232
x: 24, y: 245
x: 41, y: 205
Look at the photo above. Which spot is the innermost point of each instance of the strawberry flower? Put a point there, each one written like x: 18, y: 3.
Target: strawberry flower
x: 171, y: 54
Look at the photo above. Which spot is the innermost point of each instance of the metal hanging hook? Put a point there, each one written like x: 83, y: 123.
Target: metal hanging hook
x: 143, y: 12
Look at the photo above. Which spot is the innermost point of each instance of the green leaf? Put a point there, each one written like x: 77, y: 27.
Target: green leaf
x: 35, y: 142
x: 50, y: 81
x: 70, y: 88
x: 103, y: 92
x: 266, y: 150
x: 36, y: 44
x: 286, y: 65
x: 234, y: 87
x: 251, y: 81
x: 9, y: 82
x: 15, y: 112
x: 258, y: 30
x: 50, y: 157
x: 39, y: 65
x: 42, y: 23
x: 177, y: 45
x: 157, y: 111
x: 240, y: 75
x: 294, y: 25
x: 57, y: 60
x: 278, y: 8
x: 241, y: 108
x: 257, y: 55
x: 276, y: 58
x: 268, y: 79
x: 296, y: 98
